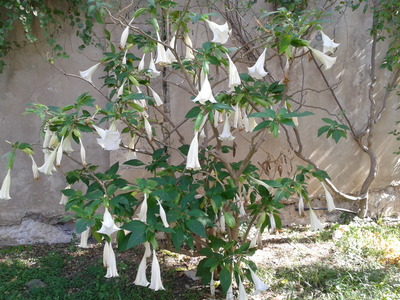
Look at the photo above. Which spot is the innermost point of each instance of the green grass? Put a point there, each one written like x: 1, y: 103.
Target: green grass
x: 363, y: 264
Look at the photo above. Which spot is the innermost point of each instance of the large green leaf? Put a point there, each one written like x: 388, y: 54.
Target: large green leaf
x: 136, y: 236
x: 196, y: 227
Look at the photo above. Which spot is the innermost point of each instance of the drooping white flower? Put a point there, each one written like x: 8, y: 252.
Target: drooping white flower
x: 121, y: 88
x: 59, y: 153
x: 83, y: 153
x: 212, y: 284
x: 240, y: 205
x: 272, y: 222
x: 109, y: 138
x: 226, y: 132
x: 106, y: 254
x: 301, y: 205
x: 87, y: 74
x: 35, y: 170
x: 141, y: 63
x: 205, y: 93
x: 67, y: 145
x: 242, y: 291
x: 124, y: 38
x: 189, y: 45
x: 162, y: 57
x: 152, y: 71
x: 124, y: 58
x: 48, y: 166
x: 147, y: 127
x: 229, y: 294
x: 237, y: 117
x: 163, y: 216
x: 131, y: 154
x: 111, y: 263
x: 329, y: 45
x: 156, y: 97
x: 221, y: 32
x: 192, y: 162
x: 253, y: 242
x: 257, y: 71
x: 329, y: 199
x: 234, y: 78
x: 108, y: 226
x: 84, y: 238
x: 315, y: 224
x: 53, y: 142
x: 171, y: 57
x: 147, y: 251
x: 259, y: 286
x: 5, y: 187
x: 64, y: 199
x: 141, y: 274
x: 326, y: 60
x: 143, y: 210
x: 155, y: 281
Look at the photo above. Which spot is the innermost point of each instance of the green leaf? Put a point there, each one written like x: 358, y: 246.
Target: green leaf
x: 136, y: 237
x: 134, y: 162
x: 178, y: 237
x: 229, y: 219
x: 193, y: 113
x: 262, y: 125
x: 82, y: 224
x: 322, y: 130
x: 225, y: 278
x: 196, y: 227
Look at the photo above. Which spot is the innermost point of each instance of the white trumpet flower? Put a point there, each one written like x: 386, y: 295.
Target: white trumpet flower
x: 242, y: 291
x: 189, y: 45
x: 143, y: 210
x: 329, y: 45
x: 152, y: 71
x: 156, y: 97
x: 87, y: 74
x: 315, y: 224
x: 226, y: 132
x: 147, y: 251
x: 193, y: 154
x: 64, y: 199
x: 326, y: 60
x: 111, y: 263
x: 120, y: 90
x: 329, y: 199
x: 5, y: 187
x: 141, y: 274
x: 84, y: 238
x: 301, y: 205
x: 67, y: 146
x: 234, y: 78
x: 212, y: 285
x: 59, y: 153
x: 229, y: 294
x: 124, y: 38
x: 147, y: 127
x: 106, y: 254
x: 163, y: 216
x: 48, y: 166
x: 83, y: 153
x: 221, y: 32
x: 205, y: 93
x: 237, y: 117
x: 109, y: 138
x: 171, y: 57
x: 124, y: 58
x: 162, y: 57
x: 141, y: 63
x: 155, y: 282
x: 257, y: 71
x: 259, y: 286
x: 272, y: 222
x: 108, y: 226
x: 35, y: 170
